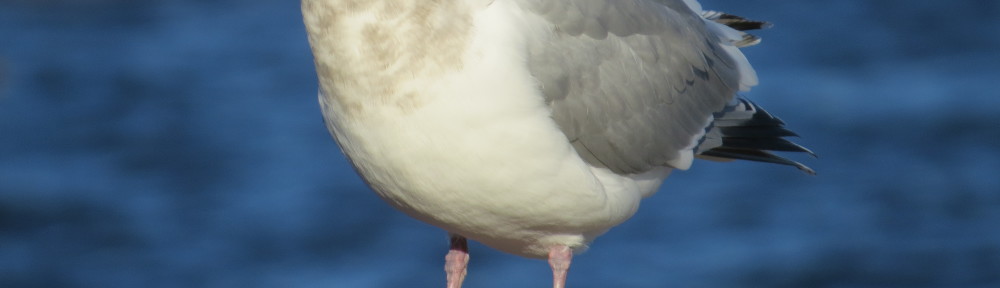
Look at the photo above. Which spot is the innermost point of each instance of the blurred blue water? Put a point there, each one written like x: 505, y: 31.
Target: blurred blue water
x: 178, y: 144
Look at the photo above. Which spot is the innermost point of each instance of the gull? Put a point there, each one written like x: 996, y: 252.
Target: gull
x: 533, y: 126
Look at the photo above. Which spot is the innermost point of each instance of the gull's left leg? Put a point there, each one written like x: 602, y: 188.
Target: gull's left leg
x: 559, y: 258
x: 456, y: 261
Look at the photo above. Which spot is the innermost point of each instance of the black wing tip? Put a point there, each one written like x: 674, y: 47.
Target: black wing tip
x: 748, y: 132
x: 756, y: 156
x: 808, y: 170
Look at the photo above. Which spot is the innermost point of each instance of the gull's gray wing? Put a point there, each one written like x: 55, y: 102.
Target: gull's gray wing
x: 634, y: 83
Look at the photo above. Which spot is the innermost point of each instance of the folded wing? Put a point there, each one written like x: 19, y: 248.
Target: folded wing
x: 634, y: 83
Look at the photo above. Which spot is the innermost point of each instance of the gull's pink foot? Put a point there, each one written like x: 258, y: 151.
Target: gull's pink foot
x: 456, y: 261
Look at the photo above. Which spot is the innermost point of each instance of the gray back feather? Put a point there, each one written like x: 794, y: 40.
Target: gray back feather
x: 632, y: 83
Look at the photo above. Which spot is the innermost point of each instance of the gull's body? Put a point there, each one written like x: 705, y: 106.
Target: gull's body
x: 531, y: 126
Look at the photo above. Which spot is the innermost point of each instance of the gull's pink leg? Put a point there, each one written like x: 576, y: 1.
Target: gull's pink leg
x: 456, y: 261
x: 559, y: 258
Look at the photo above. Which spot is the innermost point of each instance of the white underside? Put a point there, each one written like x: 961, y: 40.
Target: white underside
x: 482, y: 158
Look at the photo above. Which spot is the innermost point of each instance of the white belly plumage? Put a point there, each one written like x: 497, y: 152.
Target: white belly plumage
x: 500, y: 174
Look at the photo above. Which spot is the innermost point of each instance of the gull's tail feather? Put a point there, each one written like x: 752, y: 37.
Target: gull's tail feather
x: 738, y: 23
x: 735, y: 22
x: 745, y: 131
